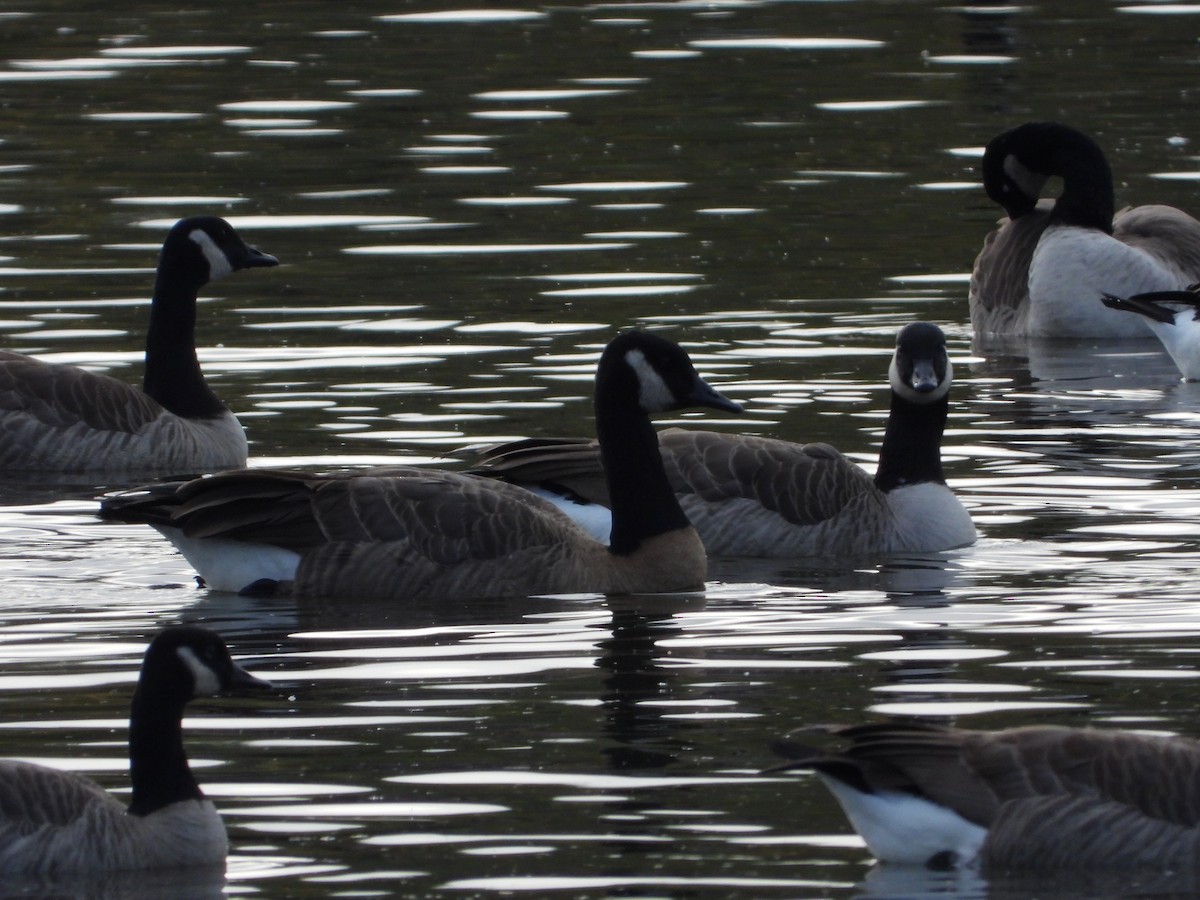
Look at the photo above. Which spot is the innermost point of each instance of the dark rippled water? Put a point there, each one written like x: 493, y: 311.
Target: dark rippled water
x: 467, y: 205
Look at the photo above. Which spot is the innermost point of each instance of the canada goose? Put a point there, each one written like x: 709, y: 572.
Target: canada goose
x: 755, y: 496
x: 53, y: 822
x: 1171, y: 315
x: 1034, y: 798
x: 63, y: 419
x: 1041, y: 272
x: 413, y: 534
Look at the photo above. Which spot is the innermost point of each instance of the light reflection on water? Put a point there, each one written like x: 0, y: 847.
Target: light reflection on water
x: 466, y: 204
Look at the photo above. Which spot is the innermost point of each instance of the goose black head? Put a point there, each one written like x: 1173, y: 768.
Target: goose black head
x: 187, y: 662
x: 205, y: 248
x: 920, y: 371
x: 661, y: 374
x: 1017, y: 164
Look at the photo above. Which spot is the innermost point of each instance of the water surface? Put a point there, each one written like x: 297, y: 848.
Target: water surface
x: 468, y: 204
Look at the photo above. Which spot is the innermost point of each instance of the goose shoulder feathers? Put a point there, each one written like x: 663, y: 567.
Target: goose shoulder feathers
x: 62, y: 419
x: 1079, y: 249
x: 1037, y: 798
x: 758, y: 496
x: 419, y: 535
x: 54, y: 822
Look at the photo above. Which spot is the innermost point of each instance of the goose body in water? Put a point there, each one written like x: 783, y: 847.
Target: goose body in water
x: 55, y: 822
x: 1042, y: 272
x: 59, y: 419
x: 1037, y: 798
x: 756, y: 496
x: 412, y: 534
x: 1172, y: 316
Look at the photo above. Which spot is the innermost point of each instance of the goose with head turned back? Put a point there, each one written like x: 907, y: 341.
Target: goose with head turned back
x: 1041, y: 274
x: 1036, y: 798
x: 411, y: 534
x: 61, y: 419
x: 755, y: 496
x: 54, y: 822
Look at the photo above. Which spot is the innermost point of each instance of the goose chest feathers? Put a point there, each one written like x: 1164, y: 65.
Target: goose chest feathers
x: 414, y: 534
x: 1043, y: 271
x: 54, y: 822
x: 61, y: 419
x: 756, y: 496
x: 1037, y: 798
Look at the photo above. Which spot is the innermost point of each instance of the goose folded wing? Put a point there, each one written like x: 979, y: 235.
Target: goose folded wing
x: 442, y: 516
x: 58, y: 396
x: 805, y: 484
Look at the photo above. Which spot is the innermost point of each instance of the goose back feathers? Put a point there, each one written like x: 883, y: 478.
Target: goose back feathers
x: 756, y: 496
x: 62, y: 419
x: 1035, y: 798
x: 53, y: 822
x: 1042, y: 271
x: 425, y: 535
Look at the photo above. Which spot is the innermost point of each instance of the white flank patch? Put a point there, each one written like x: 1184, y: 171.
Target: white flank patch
x: 653, y: 393
x: 218, y: 262
x: 232, y: 565
x: 901, y: 828
x: 593, y: 518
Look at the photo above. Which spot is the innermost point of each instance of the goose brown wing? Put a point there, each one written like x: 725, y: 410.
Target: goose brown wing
x: 569, y: 465
x: 804, y: 483
x: 1168, y: 234
x: 443, y: 516
x: 33, y: 797
x: 59, y: 396
x: 999, y: 290
x: 976, y: 773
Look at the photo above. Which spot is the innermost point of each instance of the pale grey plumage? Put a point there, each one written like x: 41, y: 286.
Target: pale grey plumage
x: 58, y: 420
x: 1044, y: 797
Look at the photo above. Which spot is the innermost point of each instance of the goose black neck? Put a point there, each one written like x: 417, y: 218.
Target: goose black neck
x: 912, y: 444
x: 643, y: 503
x: 173, y: 377
x: 1087, y: 199
x: 158, y: 766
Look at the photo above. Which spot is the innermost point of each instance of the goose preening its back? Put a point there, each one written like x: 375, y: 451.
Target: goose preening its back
x: 62, y: 419
x: 1034, y: 798
x: 1041, y: 273
x: 1172, y: 316
x: 413, y: 534
x: 54, y: 822
x: 754, y: 496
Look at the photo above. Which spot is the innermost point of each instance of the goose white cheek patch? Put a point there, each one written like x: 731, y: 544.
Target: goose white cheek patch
x: 906, y: 390
x: 218, y: 262
x: 653, y: 393
x: 205, y: 678
x: 1030, y: 182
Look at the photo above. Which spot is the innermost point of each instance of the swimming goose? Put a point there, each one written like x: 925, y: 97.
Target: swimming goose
x: 63, y: 419
x: 53, y: 822
x: 412, y: 534
x: 1172, y: 316
x: 756, y: 496
x: 1034, y: 798
x: 1041, y: 272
